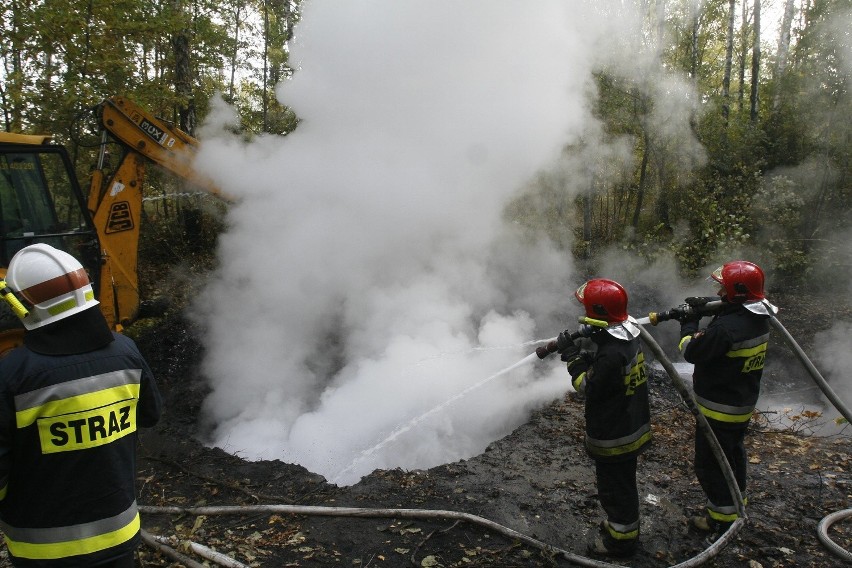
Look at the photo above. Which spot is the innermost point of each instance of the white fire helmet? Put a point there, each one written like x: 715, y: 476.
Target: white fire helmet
x: 52, y: 281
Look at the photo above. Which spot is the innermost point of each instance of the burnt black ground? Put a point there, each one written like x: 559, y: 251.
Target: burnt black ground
x: 537, y: 481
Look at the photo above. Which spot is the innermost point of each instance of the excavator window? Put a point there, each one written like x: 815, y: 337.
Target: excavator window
x: 39, y: 202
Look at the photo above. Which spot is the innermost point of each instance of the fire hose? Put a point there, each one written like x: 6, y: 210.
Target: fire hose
x: 691, y: 404
x: 688, y: 399
x: 826, y: 522
x: 584, y: 330
x: 822, y: 533
x: 418, y: 514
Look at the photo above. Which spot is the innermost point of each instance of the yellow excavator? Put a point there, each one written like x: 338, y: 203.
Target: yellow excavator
x: 41, y: 201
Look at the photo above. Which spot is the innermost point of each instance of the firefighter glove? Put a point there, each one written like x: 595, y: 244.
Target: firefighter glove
x: 578, y: 364
x: 684, y: 313
x: 570, y: 352
x: 688, y: 327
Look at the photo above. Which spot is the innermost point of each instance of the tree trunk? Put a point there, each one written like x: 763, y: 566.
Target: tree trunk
x: 743, y: 52
x: 663, y: 213
x: 183, y: 73
x: 755, y: 63
x: 234, y: 55
x: 643, y: 176
x: 729, y: 56
x: 587, y: 221
x: 694, y: 54
x: 13, y: 88
x: 661, y: 24
x: 783, y: 49
x: 265, y: 66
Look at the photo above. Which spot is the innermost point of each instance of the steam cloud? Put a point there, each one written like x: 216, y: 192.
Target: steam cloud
x: 367, y: 276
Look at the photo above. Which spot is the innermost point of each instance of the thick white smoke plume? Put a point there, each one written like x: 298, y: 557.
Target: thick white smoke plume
x: 366, y: 276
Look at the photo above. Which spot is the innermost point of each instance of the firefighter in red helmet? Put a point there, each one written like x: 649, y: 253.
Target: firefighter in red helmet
x: 728, y: 355
x: 611, y: 377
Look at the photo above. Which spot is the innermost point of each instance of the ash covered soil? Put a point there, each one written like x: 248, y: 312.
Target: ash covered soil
x: 537, y: 481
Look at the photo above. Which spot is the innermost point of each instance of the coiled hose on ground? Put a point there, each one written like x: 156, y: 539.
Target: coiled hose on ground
x: 826, y: 522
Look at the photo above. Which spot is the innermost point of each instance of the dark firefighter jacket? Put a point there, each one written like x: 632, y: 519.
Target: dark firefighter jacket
x: 618, y: 418
x: 728, y: 356
x: 67, y: 452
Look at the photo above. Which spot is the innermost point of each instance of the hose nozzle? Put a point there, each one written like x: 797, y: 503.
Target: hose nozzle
x: 656, y: 317
x: 545, y: 350
x: 585, y: 330
x: 693, y: 306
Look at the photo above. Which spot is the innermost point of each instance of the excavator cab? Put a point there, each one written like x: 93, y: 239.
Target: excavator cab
x: 40, y: 202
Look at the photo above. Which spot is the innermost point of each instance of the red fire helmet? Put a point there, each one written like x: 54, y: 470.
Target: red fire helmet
x: 742, y: 281
x: 603, y: 299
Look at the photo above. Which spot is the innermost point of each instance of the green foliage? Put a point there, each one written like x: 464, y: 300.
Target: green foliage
x: 716, y: 209
x: 651, y: 245
x: 780, y: 182
x: 780, y: 200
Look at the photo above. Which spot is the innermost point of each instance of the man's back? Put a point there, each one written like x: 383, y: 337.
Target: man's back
x: 68, y: 423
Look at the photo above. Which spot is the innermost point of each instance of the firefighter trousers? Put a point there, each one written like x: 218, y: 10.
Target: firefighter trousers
x: 709, y: 472
x: 617, y: 491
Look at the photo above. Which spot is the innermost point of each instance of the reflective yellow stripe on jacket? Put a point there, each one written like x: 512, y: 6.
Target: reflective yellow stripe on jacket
x: 620, y: 446
x: 579, y: 383
x: 74, y: 396
x: 724, y: 412
x: 62, y: 542
x: 752, y: 351
x: 634, y: 374
x: 82, y: 414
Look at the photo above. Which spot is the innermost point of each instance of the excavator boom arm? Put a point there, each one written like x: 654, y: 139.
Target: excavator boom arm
x: 115, y: 201
x: 165, y: 145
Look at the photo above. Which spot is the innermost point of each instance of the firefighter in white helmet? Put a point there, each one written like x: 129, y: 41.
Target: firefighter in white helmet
x: 71, y: 400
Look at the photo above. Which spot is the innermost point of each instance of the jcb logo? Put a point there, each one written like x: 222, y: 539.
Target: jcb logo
x: 120, y: 218
x: 754, y: 363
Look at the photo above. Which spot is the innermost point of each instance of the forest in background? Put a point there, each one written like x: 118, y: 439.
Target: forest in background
x: 771, y: 112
